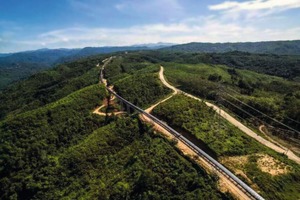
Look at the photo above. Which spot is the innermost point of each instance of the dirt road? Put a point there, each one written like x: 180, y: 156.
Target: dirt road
x: 225, y: 184
x: 261, y: 129
x: 235, y: 122
x: 161, y: 76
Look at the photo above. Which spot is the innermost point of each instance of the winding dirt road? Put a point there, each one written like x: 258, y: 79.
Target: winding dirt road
x: 233, y: 121
x: 224, y: 183
x: 161, y: 74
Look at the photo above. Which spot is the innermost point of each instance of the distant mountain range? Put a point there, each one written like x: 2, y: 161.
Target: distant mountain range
x: 15, y: 66
x: 271, y: 47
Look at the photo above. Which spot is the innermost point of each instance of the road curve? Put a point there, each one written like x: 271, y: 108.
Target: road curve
x: 236, y: 123
x: 161, y: 74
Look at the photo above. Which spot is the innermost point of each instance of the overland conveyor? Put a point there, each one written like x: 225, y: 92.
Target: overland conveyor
x: 218, y: 166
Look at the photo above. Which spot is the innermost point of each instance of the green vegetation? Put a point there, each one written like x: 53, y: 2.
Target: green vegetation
x: 58, y: 149
x: 125, y: 160
x: 53, y: 147
x: 194, y: 117
x: 282, y: 66
x: 272, y: 95
x: 141, y: 89
x: 136, y: 80
x: 28, y: 140
x: 121, y: 67
x: 122, y: 160
x: 18, y: 66
x: 271, y: 47
x: 49, y: 86
x: 17, y: 72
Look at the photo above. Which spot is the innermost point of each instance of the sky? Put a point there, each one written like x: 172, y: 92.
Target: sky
x: 36, y: 24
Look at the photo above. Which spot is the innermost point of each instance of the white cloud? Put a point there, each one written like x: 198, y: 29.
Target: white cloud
x: 201, y: 29
x: 256, y: 5
x: 253, y: 8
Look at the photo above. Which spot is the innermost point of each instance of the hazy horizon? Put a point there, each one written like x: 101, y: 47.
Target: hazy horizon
x: 141, y: 45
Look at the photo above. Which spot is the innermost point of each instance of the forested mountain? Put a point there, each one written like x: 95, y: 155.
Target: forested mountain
x: 16, y: 66
x: 89, y: 51
x: 48, y: 86
x: 271, y: 47
x: 286, y: 66
x: 42, y: 56
x: 53, y: 147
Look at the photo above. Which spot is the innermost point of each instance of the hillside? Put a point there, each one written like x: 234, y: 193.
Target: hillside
x: 235, y: 89
x: 48, y: 86
x: 16, y: 66
x: 56, y: 148
x: 271, y: 47
x: 277, y: 65
x: 234, y: 149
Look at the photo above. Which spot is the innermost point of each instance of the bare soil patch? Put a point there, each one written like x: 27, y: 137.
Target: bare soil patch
x: 237, y: 165
x: 272, y: 166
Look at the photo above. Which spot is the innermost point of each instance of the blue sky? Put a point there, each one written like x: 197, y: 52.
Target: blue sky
x: 34, y: 24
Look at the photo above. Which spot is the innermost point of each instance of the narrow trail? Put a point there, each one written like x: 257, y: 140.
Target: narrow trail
x: 98, y: 109
x: 261, y: 129
x: 98, y: 112
x: 224, y: 183
x: 235, y: 122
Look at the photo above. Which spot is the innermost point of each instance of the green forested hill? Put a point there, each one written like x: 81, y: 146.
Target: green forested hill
x: 56, y: 148
x: 16, y: 66
x: 271, y: 47
x: 277, y: 65
x: 125, y: 160
x: 226, y: 141
x: 274, y: 96
x: 137, y: 88
x: 49, y: 85
x: 53, y: 147
x: 30, y: 139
